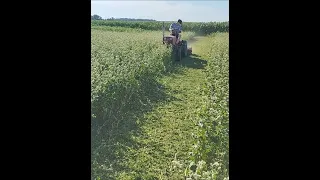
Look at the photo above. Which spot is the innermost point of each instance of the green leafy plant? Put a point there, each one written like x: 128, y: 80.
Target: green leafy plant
x: 210, y: 157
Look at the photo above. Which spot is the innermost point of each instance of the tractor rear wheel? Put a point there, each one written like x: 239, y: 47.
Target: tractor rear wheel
x: 177, y: 53
x: 184, y: 49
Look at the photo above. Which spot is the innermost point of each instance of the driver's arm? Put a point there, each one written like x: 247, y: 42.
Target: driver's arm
x: 171, y: 28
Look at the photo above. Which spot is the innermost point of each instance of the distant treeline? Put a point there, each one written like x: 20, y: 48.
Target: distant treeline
x: 97, y: 17
x: 198, y: 27
x: 128, y: 19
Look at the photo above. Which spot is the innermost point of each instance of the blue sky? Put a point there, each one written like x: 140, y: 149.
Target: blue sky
x: 188, y: 11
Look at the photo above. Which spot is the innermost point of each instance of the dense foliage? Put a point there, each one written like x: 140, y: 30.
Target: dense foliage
x: 197, y: 27
x: 210, y: 158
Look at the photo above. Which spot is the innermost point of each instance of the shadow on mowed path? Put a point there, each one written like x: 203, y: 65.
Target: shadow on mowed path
x: 109, y: 146
x: 193, y: 61
x: 115, y: 139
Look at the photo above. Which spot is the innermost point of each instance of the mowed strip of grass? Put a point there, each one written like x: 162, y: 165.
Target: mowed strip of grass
x: 165, y: 139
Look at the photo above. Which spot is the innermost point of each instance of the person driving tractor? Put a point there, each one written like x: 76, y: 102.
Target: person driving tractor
x: 175, y: 29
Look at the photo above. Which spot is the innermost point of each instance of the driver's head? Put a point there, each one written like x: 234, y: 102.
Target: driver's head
x: 179, y: 21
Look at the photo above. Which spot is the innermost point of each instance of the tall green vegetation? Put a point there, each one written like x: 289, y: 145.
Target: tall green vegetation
x: 197, y: 27
x: 210, y: 158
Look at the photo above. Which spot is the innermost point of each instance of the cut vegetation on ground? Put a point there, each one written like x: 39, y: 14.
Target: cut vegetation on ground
x: 155, y: 118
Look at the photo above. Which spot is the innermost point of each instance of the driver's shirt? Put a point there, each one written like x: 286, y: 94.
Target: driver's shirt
x: 175, y: 27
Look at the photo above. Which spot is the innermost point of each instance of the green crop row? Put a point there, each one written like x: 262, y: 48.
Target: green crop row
x: 124, y: 70
x: 156, y: 34
x: 117, y: 29
x: 198, y: 27
x: 210, y: 158
x: 118, y: 61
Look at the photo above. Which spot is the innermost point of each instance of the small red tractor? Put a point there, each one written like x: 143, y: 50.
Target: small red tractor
x: 179, y: 47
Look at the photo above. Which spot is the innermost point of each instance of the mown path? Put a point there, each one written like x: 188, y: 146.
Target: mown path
x: 165, y: 137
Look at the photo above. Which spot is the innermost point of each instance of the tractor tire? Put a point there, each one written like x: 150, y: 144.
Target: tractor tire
x: 174, y: 53
x: 178, y: 53
x: 185, y: 49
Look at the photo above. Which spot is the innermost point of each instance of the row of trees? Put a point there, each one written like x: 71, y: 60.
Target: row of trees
x: 97, y: 17
x: 129, y: 19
